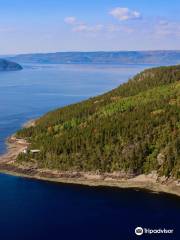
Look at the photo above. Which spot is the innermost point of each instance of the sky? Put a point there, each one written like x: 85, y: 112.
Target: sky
x: 88, y: 25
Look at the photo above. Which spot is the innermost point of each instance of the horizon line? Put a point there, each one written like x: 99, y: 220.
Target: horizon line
x: 94, y: 51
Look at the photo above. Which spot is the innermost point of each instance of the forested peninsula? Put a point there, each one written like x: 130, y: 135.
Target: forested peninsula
x: 9, y: 66
x: 134, y: 128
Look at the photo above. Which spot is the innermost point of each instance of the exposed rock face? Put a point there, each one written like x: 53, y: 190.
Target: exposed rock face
x: 9, y: 66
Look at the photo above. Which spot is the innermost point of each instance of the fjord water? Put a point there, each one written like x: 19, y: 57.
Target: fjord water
x: 31, y: 209
x: 34, y: 210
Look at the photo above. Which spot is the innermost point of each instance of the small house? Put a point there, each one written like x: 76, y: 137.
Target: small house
x: 35, y: 151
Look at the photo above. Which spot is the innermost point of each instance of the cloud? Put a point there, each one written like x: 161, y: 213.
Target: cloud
x: 78, y: 26
x: 83, y: 27
x: 87, y: 28
x: 70, y: 20
x: 165, y: 28
x: 124, y: 14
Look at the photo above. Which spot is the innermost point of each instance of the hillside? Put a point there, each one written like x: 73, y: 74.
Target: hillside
x: 134, y: 128
x: 121, y: 57
x: 9, y: 66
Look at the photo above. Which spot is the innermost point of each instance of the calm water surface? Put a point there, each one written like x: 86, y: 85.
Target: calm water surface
x: 31, y: 209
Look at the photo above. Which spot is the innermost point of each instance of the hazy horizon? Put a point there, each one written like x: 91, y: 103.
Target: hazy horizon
x: 93, y: 51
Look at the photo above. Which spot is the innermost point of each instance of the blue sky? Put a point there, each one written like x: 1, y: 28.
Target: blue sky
x: 88, y: 25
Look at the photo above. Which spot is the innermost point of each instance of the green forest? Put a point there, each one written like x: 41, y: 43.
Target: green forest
x: 134, y: 128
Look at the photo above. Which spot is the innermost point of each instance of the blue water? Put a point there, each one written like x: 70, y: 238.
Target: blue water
x: 31, y: 209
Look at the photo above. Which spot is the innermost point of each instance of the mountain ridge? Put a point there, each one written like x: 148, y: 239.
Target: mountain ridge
x: 102, y: 57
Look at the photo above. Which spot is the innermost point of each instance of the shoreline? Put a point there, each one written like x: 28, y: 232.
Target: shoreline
x: 122, y: 184
x: 149, y: 182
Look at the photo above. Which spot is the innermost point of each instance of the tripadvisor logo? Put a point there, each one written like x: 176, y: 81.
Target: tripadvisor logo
x: 140, y: 231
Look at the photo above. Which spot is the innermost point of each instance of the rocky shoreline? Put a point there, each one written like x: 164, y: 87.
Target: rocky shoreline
x: 118, y: 179
x: 90, y: 179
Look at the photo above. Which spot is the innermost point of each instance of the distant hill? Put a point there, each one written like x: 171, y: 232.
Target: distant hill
x: 121, y: 57
x: 133, y: 128
x: 9, y: 66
